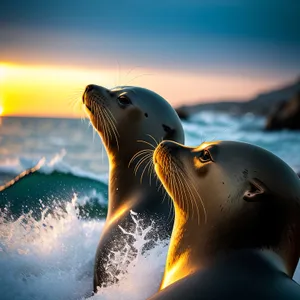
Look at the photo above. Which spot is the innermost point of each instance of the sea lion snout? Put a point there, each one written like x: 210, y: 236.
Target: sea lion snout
x: 165, y: 148
x: 89, y: 88
x: 92, y: 88
x: 93, y: 96
x: 169, y: 146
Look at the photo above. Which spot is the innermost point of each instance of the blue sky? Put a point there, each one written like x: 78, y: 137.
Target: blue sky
x: 191, y: 34
x: 249, y: 39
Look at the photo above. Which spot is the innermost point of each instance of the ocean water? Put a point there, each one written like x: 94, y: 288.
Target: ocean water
x: 51, y: 257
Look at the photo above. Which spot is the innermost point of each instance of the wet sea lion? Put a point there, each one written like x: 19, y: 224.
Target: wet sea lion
x: 237, y: 222
x: 129, y: 121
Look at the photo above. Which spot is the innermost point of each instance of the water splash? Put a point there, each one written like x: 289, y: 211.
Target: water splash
x: 53, y: 258
x: 138, y: 272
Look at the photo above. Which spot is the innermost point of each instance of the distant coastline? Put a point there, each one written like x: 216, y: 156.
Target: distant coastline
x: 263, y: 104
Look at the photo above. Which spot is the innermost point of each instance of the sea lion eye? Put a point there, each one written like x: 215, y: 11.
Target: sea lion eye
x: 124, y: 101
x: 204, y: 156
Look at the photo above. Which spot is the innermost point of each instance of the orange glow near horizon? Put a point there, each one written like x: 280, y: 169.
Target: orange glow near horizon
x: 52, y: 91
x: 44, y: 91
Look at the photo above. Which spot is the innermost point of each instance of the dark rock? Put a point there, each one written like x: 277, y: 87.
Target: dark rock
x: 286, y: 115
x: 182, y: 113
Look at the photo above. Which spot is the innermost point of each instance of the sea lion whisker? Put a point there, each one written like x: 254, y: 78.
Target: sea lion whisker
x: 199, y: 197
x: 131, y: 70
x: 160, y: 186
x: 112, y: 126
x: 157, y: 181
x: 173, y: 191
x: 75, y: 97
x: 145, y: 142
x: 191, y: 197
x: 178, y: 194
x: 108, y: 118
x: 180, y: 172
x: 109, y: 127
x: 105, y: 129
x: 79, y: 108
x: 141, y: 161
x: 106, y: 125
x: 94, y: 131
x: 149, y: 162
x: 107, y: 122
x: 182, y: 189
x: 137, y: 77
x: 152, y: 137
x: 97, y: 116
x: 163, y: 159
x: 74, y: 102
x: 150, y: 170
x: 186, y: 188
x: 170, y: 202
x: 113, y: 119
x: 201, y: 201
x: 140, y: 152
x: 171, y: 209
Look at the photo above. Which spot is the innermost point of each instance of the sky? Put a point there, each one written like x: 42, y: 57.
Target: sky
x: 187, y: 51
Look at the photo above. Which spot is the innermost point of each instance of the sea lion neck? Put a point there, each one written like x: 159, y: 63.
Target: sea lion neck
x: 183, y: 260
x: 190, y: 252
x: 126, y: 187
x: 253, y: 260
x: 193, y: 249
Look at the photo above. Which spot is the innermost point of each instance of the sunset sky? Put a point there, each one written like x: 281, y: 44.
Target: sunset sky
x: 186, y: 51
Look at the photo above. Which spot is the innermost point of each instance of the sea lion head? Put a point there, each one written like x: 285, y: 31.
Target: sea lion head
x: 241, y: 195
x: 125, y: 115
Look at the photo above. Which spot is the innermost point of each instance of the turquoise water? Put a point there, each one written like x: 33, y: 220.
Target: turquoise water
x: 73, y: 145
x: 51, y: 256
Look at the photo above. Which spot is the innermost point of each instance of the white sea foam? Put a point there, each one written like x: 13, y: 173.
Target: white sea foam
x: 101, y: 199
x: 141, y: 278
x: 53, y: 259
x: 56, y: 163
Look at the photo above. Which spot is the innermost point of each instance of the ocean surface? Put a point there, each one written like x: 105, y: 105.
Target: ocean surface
x: 50, y: 256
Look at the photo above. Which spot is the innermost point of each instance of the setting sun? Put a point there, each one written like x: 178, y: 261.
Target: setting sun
x: 27, y: 90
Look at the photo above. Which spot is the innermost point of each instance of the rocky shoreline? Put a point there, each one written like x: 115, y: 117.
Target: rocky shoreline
x: 281, y: 107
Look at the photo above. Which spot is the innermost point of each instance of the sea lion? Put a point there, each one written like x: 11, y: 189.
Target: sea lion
x: 129, y: 121
x: 237, y: 222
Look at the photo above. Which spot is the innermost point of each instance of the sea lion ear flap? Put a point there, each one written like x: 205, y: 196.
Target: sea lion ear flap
x: 257, y: 191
